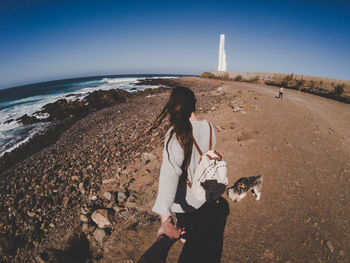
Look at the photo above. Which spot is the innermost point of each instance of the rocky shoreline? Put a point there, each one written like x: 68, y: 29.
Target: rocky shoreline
x: 61, y: 115
x: 84, y: 179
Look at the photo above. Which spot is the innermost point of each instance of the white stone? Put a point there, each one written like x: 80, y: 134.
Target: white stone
x: 107, y: 195
x: 236, y: 109
x: 84, y: 218
x: 99, y: 235
x: 100, y: 217
x: 146, y: 157
x: 121, y: 196
x: 330, y: 246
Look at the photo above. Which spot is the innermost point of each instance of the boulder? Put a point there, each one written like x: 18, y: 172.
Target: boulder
x: 100, y: 217
x: 25, y: 119
x: 99, y: 235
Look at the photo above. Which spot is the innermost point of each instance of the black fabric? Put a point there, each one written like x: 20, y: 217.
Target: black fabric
x: 180, y: 196
x: 213, y: 189
x: 204, y: 232
x: 158, y: 252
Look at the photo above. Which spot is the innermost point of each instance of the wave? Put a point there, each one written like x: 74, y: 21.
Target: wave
x: 22, y: 135
x: 14, y: 134
x: 120, y: 80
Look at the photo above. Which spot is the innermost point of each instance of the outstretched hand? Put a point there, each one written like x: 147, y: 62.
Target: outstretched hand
x: 170, y: 230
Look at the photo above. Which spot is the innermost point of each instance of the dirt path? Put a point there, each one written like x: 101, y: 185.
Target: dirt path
x: 301, y: 146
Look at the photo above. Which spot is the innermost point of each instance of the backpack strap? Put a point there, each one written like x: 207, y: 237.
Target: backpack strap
x: 210, y: 137
x: 197, y: 147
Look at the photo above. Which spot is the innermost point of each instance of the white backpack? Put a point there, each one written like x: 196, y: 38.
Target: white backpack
x: 210, y: 178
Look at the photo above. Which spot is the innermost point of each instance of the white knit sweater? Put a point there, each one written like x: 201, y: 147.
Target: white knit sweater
x: 173, y: 193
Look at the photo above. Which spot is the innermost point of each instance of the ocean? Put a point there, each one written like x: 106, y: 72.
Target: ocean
x: 28, y: 99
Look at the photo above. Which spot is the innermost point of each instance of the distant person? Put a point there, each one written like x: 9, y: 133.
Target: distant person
x: 167, y: 235
x: 204, y: 222
x: 280, y: 94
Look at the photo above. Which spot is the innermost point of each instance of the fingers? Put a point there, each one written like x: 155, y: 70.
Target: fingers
x: 169, y: 229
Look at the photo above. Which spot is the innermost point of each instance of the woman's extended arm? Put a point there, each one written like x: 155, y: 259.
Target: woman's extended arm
x: 166, y: 237
x: 169, y: 176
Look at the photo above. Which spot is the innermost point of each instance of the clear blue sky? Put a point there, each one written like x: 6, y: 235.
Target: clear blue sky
x: 53, y: 39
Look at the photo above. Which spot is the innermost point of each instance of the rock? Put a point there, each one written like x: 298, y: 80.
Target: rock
x: 126, y: 171
x: 220, y: 88
x: 109, y: 181
x: 121, y: 197
x: 84, y: 218
x: 147, y: 157
x: 52, y: 225
x: 100, y: 217
x: 107, y: 195
x: 219, y: 128
x: 233, y: 104
x: 330, y: 246
x: 65, y: 201
x: 31, y: 214
x: 85, y: 227
x: 104, y: 98
x: 236, y: 109
x: 268, y: 253
x: 81, y: 188
x: 62, y: 109
x: 84, y: 210
x: 92, y: 197
x: 99, y: 235
x: 232, y: 125
x: 25, y: 119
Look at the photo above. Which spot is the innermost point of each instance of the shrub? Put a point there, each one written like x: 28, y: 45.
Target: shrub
x: 339, y: 89
x: 312, y: 84
x: 300, y: 83
x: 224, y: 76
x: 254, y: 79
x: 285, y: 82
x: 208, y: 75
x: 238, y: 78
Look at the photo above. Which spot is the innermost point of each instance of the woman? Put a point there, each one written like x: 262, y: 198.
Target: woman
x: 203, y: 221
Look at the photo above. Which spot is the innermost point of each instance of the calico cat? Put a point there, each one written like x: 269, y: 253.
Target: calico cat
x: 245, y: 184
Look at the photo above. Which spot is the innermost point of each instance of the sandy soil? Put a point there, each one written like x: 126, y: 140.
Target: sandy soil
x: 301, y: 146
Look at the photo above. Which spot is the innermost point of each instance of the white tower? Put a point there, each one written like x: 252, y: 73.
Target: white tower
x: 222, y: 54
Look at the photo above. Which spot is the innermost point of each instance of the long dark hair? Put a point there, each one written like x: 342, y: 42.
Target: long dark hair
x: 180, y: 105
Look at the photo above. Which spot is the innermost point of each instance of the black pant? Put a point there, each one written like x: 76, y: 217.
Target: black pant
x: 204, y: 232
x: 280, y: 95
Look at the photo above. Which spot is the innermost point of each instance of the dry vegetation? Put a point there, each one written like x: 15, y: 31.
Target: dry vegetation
x: 326, y: 87
x: 225, y: 76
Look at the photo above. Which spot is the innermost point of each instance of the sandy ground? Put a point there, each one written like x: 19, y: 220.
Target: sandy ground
x: 301, y: 146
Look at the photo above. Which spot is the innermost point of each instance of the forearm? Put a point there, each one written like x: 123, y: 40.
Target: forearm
x: 158, y: 252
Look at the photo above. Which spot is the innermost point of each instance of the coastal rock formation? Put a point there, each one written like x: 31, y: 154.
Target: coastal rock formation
x: 63, y: 108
